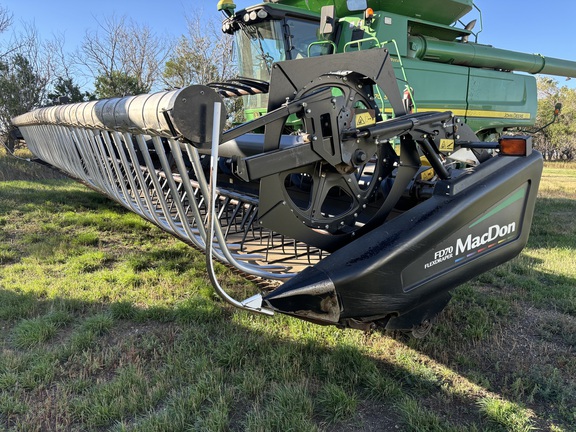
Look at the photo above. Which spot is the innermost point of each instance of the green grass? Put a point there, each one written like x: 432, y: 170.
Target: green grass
x: 109, y: 324
x: 509, y: 416
x: 336, y: 404
x: 17, y: 169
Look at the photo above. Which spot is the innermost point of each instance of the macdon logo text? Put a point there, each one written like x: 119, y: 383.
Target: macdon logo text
x: 463, y: 246
x: 493, y: 233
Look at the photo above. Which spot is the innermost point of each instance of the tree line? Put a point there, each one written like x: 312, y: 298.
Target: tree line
x: 121, y: 57
x: 558, y: 140
x: 118, y: 57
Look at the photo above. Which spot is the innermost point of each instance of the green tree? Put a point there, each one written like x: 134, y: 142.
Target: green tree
x: 202, y: 56
x: 558, y: 140
x: 65, y: 88
x: 191, y: 63
x: 118, y: 84
x: 21, y: 89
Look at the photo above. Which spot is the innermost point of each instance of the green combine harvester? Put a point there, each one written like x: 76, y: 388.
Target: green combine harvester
x: 435, y: 63
x: 370, y: 177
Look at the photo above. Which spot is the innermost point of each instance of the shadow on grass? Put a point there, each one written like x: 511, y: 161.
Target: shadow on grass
x: 265, y: 369
x: 199, y: 365
x: 19, y: 168
x: 104, y: 363
x: 554, y: 224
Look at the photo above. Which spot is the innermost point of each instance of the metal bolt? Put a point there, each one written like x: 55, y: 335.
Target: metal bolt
x: 355, y: 215
x: 360, y: 156
x: 327, y: 226
x: 308, y: 111
x: 314, y: 138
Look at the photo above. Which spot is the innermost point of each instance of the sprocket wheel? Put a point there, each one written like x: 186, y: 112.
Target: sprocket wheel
x: 330, y: 195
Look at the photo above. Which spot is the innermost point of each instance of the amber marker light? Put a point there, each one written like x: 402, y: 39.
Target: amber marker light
x: 369, y: 13
x: 515, y: 145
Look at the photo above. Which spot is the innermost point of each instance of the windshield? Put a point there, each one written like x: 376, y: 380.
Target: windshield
x: 300, y: 35
x: 258, y: 46
x: 261, y: 44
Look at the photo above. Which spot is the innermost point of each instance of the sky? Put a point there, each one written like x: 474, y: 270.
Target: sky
x: 519, y: 25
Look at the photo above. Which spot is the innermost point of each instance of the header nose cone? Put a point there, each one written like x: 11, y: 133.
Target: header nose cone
x: 311, y: 294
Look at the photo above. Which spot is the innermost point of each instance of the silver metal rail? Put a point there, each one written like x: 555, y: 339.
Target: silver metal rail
x: 130, y: 150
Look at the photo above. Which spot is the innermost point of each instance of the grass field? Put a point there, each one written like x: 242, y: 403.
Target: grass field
x: 109, y: 324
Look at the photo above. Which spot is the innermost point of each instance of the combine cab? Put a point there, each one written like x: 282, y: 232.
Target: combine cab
x: 360, y: 189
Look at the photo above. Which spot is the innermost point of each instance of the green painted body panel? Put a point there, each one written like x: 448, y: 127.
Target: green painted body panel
x: 253, y: 113
x: 487, y: 99
x: 378, y: 30
x: 435, y: 86
x: 510, y: 97
x: 438, y: 11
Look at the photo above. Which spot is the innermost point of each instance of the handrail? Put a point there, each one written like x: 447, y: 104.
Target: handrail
x: 407, y: 84
x: 359, y: 41
x: 322, y: 43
